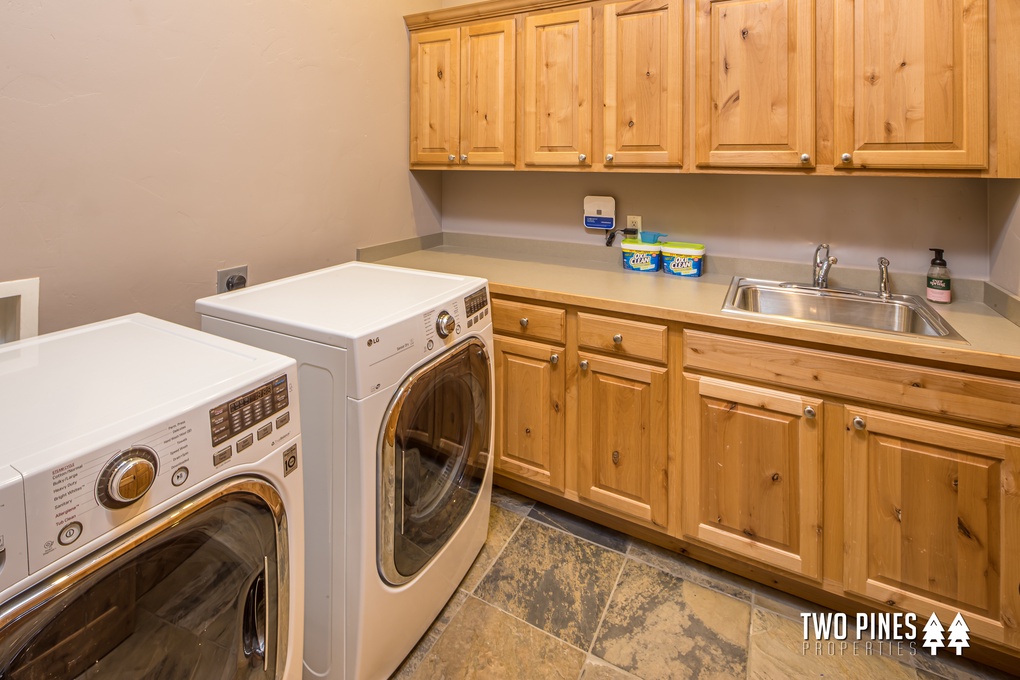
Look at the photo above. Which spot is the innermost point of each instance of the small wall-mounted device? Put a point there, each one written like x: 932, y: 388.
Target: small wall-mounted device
x: 599, y: 212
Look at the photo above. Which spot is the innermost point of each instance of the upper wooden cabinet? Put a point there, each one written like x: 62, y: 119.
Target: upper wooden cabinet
x: 890, y: 87
x: 557, y: 88
x: 755, y: 83
x: 911, y: 83
x: 435, y: 96
x: 643, y: 83
x: 462, y: 95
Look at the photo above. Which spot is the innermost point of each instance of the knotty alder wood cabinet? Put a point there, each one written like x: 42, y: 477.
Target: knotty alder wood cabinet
x: 815, y: 86
x: 584, y: 393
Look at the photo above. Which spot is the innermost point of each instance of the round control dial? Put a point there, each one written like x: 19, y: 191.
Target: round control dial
x: 445, y: 324
x: 127, y: 477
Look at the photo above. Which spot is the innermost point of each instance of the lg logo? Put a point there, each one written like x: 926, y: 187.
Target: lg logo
x: 373, y: 341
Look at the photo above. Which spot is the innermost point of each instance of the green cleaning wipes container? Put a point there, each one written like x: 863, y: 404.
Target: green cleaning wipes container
x: 683, y: 259
x: 640, y: 257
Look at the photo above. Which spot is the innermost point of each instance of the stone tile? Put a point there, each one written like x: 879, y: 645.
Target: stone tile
x: 554, y: 581
x: 691, y: 570
x: 947, y: 665
x: 483, y: 642
x: 599, y: 669
x: 784, y: 604
x: 580, y: 527
x: 659, y: 626
x: 514, y: 502
x: 777, y: 651
x: 502, y: 525
x: 410, y: 664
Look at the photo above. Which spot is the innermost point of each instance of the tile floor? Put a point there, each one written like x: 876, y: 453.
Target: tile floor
x: 554, y: 596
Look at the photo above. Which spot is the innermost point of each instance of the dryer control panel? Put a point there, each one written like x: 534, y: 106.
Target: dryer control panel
x: 87, y: 496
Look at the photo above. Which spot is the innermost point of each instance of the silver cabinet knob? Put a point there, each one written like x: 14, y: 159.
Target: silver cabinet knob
x: 846, y: 158
x: 524, y: 322
x: 581, y: 157
x: 609, y: 158
x: 584, y: 365
x: 616, y: 457
x: 618, y: 339
x: 452, y: 158
x: 554, y: 359
x: 463, y: 157
x: 809, y: 412
x: 805, y: 158
x: 859, y: 423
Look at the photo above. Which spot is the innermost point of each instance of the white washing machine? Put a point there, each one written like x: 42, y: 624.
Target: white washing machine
x: 151, y: 504
x: 396, y: 393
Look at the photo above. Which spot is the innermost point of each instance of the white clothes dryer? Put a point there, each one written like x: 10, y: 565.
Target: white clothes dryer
x: 151, y: 506
x: 397, y: 412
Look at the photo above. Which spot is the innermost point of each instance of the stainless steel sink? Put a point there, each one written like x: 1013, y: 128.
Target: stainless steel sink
x: 906, y: 314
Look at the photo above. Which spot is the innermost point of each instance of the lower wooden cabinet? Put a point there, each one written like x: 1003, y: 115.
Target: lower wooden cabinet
x: 933, y: 520
x: 530, y: 400
x: 752, y: 472
x: 622, y: 448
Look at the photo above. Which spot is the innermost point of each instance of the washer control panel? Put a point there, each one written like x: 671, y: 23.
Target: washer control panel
x: 86, y: 496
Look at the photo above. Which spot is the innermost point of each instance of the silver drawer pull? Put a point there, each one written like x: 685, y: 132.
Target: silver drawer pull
x: 809, y: 412
x: 618, y: 339
x: 584, y: 365
x: 524, y: 322
x: 554, y: 359
x: 616, y: 457
x: 859, y: 423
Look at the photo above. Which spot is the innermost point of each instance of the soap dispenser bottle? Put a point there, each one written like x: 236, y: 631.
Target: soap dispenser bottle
x: 939, y: 288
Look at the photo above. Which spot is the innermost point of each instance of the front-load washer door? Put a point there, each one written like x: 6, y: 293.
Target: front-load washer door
x: 434, y: 452
x: 196, y: 593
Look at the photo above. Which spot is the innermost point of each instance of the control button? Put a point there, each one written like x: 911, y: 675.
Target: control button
x: 69, y: 534
x: 282, y: 420
x: 430, y: 344
x: 265, y: 431
x: 458, y: 329
x: 180, y: 476
x: 218, y: 411
x: 470, y: 323
x: 222, y: 456
x: 290, y: 460
x: 242, y: 444
x: 445, y: 324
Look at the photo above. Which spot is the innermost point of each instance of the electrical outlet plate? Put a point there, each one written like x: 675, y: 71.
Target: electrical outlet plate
x: 633, y: 221
x: 224, y: 274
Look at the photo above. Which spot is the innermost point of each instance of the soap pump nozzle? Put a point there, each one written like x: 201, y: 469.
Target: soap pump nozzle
x: 939, y: 260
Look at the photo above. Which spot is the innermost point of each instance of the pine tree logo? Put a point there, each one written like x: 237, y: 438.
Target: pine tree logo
x: 959, y: 634
x: 933, y: 634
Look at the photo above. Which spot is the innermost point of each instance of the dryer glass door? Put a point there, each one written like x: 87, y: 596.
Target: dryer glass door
x: 194, y: 594
x: 434, y: 455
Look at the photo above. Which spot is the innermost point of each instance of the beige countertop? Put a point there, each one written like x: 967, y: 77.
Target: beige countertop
x: 563, y: 275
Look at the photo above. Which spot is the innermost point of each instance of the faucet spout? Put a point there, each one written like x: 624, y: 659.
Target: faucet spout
x: 883, y: 278
x: 823, y: 264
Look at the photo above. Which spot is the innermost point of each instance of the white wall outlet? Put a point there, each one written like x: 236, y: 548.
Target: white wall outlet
x: 634, y: 222
x: 231, y: 279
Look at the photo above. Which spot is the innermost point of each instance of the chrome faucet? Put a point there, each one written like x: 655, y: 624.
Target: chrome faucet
x: 823, y: 264
x: 883, y: 278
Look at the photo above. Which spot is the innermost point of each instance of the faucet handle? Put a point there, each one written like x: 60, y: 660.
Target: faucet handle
x: 883, y: 262
x: 819, y: 258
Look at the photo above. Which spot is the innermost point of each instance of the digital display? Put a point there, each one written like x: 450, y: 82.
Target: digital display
x: 476, y: 302
x: 250, y: 398
x: 244, y: 412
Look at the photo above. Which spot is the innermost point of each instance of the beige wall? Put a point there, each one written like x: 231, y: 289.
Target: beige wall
x: 144, y: 145
x: 771, y: 217
x: 1004, y: 233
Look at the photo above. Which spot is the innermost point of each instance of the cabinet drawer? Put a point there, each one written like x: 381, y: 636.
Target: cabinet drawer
x: 622, y: 337
x: 530, y: 321
x: 946, y: 393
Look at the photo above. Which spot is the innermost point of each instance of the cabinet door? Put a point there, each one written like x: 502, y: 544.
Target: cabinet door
x: 911, y: 83
x: 755, y: 83
x: 557, y: 88
x: 932, y: 520
x: 487, y: 94
x: 622, y: 438
x: 752, y: 472
x: 530, y: 395
x: 643, y: 83
x: 435, y: 96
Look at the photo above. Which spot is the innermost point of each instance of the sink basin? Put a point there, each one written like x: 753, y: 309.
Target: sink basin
x: 902, y: 314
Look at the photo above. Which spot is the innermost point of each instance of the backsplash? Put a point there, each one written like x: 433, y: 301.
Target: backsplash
x: 746, y: 216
